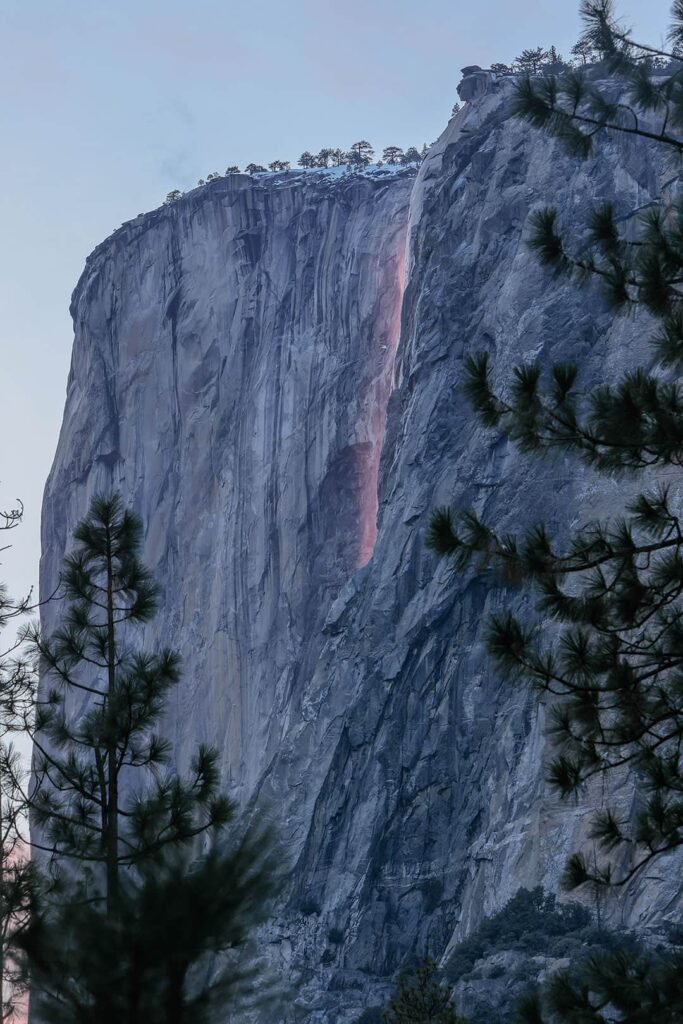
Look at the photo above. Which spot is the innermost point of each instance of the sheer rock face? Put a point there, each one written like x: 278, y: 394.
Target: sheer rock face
x: 230, y: 372
x: 232, y: 364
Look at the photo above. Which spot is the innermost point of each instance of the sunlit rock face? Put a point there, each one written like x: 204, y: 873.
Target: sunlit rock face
x: 235, y: 375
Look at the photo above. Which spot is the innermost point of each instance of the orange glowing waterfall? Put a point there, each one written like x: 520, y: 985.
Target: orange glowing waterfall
x: 377, y: 415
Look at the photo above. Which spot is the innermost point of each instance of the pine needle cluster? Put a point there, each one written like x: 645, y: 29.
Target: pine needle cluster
x: 613, y: 988
x: 174, y: 951
x: 144, y: 904
x: 422, y: 998
x: 576, y: 108
x: 97, y: 724
x: 616, y: 589
x: 17, y: 688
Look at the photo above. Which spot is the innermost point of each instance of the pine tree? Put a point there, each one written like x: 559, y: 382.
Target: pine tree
x: 338, y: 157
x: 616, y: 674
x: 610, y: 988
x: 179, y: 947
x: 254, y: 169
x: 618, y: 667
x: 306, y: 159
x: 279, y: 165
x: 145, y: 887
x: 411, y: 156
x: 362, y: 153
x: 16, y: 704
x: 393, y: 155
x: 531, y: 61
x: 324, y: 158
x: 97, y: 725
x: 554, y: 61
x: 233, y: 169
x: 583, y: 52
x: 422, y: 999
x: 18, y: 880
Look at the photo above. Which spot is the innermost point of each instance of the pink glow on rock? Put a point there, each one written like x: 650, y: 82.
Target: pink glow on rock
x: 378, y: 400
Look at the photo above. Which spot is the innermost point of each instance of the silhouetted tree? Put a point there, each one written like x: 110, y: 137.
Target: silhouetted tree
x: 178, y: 948
x: 233, y: 169
x: 121, y: 827
x: 323, y: 158
x: 618, y: 667
x: 393, y: 155
x: 81, y: 754
x: 422, y: 999
x: 254, y: 169
x: 584, y: 52
x: 411, y: 156
x: 173, y: 196
x: 616, y: 589
x: 362, y: 152
x: 554, y: 62
x: 306, y: 160
x: 624, y: 987
x: 279, y: 165
x: 17, y: 691
x: 531, y: 61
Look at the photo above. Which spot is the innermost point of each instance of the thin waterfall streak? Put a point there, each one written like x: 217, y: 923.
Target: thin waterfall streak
x: 369, y: 505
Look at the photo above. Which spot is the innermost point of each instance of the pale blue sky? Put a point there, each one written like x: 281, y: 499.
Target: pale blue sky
x: 107, y: 106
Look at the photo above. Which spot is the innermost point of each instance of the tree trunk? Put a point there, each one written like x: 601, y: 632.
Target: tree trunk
x: 112, y: 832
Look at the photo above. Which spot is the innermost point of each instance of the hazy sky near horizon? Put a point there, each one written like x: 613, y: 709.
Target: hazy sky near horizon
x: 108, y: 106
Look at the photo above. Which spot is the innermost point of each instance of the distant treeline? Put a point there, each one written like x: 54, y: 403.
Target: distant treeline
x: 532, y: 61
x: 536, y: 60
x: 360, y: 155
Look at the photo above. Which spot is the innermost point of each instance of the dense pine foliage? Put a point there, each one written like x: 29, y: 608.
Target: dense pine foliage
x: 16, y: 702
x: 616, y: 590
x: 422, y: 998
x: 142, y: 884
x: 617, y: 670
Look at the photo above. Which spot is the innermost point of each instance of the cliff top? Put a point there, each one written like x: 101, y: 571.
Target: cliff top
x: 322, y: 180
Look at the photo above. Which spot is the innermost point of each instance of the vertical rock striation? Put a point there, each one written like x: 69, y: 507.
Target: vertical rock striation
x: 232, y: 365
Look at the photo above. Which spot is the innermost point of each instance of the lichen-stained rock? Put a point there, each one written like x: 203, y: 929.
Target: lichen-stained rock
x: 231, y: 373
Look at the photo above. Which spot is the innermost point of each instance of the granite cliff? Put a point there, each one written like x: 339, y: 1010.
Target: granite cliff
x: 269, y: 371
